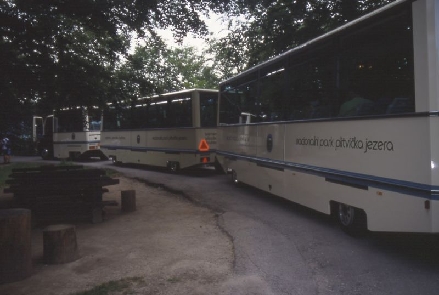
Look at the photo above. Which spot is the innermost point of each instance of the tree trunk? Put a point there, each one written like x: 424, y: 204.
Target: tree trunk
x: 60, y: 244
x: 128, y: 201
x: 15, y: 245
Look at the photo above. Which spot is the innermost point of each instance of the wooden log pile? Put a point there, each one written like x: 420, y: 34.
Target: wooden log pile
x: 61, y: 193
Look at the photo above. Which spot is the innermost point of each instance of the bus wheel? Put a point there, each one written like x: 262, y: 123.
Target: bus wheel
x: 74, y: 156
x: 235, y: 177
x: 174, y: 166
x: 114, y: 160
x: 351, y: 219
x: 218, y: 167
x: 45, y: 154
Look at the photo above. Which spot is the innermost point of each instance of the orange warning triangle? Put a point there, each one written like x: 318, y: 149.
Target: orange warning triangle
x: 203, y: 146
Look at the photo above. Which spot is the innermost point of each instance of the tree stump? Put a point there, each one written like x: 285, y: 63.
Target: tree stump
x: 60, y: 244
x: 97, y: 215
x: 15, y: 245
x: 128, y: 201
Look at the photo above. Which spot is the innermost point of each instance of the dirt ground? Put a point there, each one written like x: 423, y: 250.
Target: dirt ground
x: 168, y: 246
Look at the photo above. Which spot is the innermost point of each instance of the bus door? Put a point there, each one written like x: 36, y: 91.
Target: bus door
x: 42, y: 135
x: 37, y: 128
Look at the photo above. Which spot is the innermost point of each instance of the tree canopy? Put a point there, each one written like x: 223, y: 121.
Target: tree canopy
x: 274, y: 26
x: 76, y: 52
x: 154, y: 68
x: 65, y: 51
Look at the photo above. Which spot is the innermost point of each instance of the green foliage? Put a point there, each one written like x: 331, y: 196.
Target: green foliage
x: 75, y: 52
x: 63, y: 53
x: 66, y: 53
x: 191, y: 69
x: 274, y: 26
x: 230, y: 53
x: 112, y: 172
x: 154, y: 68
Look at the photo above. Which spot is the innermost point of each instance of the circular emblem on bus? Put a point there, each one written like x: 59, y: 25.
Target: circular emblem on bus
x: 138, y: 138
x: 269, y: 143
x: 73, y: 136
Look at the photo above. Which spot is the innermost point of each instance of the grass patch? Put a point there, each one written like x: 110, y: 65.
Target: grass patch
x: 112, y: 286
x: 67, y: 163
x: 174, y: 280
x: 112, y: 173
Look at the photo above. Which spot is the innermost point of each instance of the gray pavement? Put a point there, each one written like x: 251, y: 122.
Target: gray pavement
x: 282, y: 248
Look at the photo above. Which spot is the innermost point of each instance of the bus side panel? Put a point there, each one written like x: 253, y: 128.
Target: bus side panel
x: 365, y: 164
x: 393, y: 211
x: 171, y: 145
x: 208, y: 134
x: 76, y: 142
x: 157, y: 147
x: 307, y: 189
x: 240, y: 140
x: 135, y: 151
x: 237, y: 140
x: 270, y: 148
x: 435, y: 216
x: 116, y: 144
x: 434, y: 143
x: 270, y: 143
x: 386, y: 210
x: 394, y: 148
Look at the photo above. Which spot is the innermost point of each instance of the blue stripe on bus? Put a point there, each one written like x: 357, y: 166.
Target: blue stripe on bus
x: 357, y: 180
x: 152, y: 149
x: 77, y: 142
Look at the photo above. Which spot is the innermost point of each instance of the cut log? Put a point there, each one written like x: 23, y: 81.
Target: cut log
x: 97, y: 215
x: 15, y: 245
x: 128, y: 201
x: 60, y: 245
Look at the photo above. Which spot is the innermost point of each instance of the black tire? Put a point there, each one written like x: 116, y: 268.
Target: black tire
x: 235, y: 177
x: 351, y: 220
x: 77, y: 156
x: 115, y: 161
x: 218, y: 167
x: 45, y: 154
x: 174, y: 167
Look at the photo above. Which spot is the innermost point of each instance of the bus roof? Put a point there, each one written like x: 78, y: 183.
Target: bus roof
x: 321, y: 38
x: 178, y: 93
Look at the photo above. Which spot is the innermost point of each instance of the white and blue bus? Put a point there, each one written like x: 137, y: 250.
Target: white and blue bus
x: 72, y: 133
x: 175, y: 130
x: 347, y: 123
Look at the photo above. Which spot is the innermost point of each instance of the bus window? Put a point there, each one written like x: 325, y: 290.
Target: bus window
x: 37, y: 129
x: 377, y: 64
x: 238, y: 99
x: 208, y: 109
x: 94, y: 120
x: 311, y: 88
x: 230, y: 108
x: 158, y: 114
x: 70, y: 120
x: 181, y: 112
x: 271, y: 96
x: 48, y: 126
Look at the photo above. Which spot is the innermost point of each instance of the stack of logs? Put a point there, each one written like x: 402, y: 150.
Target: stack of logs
x: 61, y: 192
x: 54, y: 193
